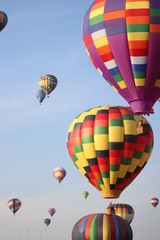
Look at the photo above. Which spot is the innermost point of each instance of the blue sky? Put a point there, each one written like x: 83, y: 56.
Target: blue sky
x: 45, y: 37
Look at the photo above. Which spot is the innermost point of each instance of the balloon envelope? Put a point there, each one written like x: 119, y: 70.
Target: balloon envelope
x: 107, y: 149
x: 102, y: 227
x: 51, y: 211
x: 3, y: 20
x: 59, y: 173
x: 48, y: 83
x: 40, y: 95
x: 122, y: 40
x: 14, y: 205
x: 85, y: 194
x: 154, y: 201
x: 122, y: 210
x: 47, y: 221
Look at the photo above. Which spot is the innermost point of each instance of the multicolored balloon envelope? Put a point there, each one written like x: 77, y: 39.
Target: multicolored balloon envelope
x: 85, y: 194
x: 48, y: 83
x: 108, y: 150
x: 102, y: 227
x: 51, y: 211
x: 122, y: 40
x: 59, y: 173
x: 154, y: 202
x: 122, y: 210
x: 40, y: 95
x: 47, y: 221
x: 3, y: 20
x: 14, y: 205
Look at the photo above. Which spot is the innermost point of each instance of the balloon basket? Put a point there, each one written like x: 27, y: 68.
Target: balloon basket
x: 111, y: 193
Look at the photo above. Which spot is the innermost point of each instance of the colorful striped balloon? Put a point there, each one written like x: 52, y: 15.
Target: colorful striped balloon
x: 154, y: 201
x: 48, y: 83
x: 122, y: 40
x: 104, y: 145
x: 3, y: 20
x: 122, y: 210
x: 102, y: 227
x: 14, y: 205
x: 59, y: 173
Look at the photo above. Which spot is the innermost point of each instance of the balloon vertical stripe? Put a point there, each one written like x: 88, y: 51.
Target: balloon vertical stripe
x: 152, y: 87
x: 88, y: 226
x: 118, y: 227
x: 101, y: 140
x: 138, y: 40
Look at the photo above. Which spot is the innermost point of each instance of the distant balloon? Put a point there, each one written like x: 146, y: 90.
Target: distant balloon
x: 47, y: 221
x: 51, y: 211
x: 85, y: 194
x: 48, y: 83
x: 122, y: 40
x: 14, y: 205
x: 102, y: 227
x: 40, y: 94
x: 109, y: 147
x: 154, y: 201
x: 122, y: 210
x: 3, y: 20
x: 59, y: 173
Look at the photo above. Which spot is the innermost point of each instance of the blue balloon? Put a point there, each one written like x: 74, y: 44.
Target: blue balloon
x: 40, y: 94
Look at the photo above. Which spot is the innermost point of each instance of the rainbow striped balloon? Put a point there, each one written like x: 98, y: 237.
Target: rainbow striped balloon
x: 102, y: 227
x: 122, y: 40
x: 14, y: 205
x: 104, y: 145
x: 122, y: 210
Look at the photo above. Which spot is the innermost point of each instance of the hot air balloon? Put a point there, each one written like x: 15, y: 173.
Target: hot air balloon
x: 154, y: 201
x: 59, y: 173
x: 51, y: 211
x: 122, y: 40
x: 106, y: 146
x: 3, y: 20
x: 122, y: 210
x: 48, y: 83
x: 47, y: 221
x: 14, y: 205
x: 40, y: 95
x: 85, y: 194
x: 102, y: 227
